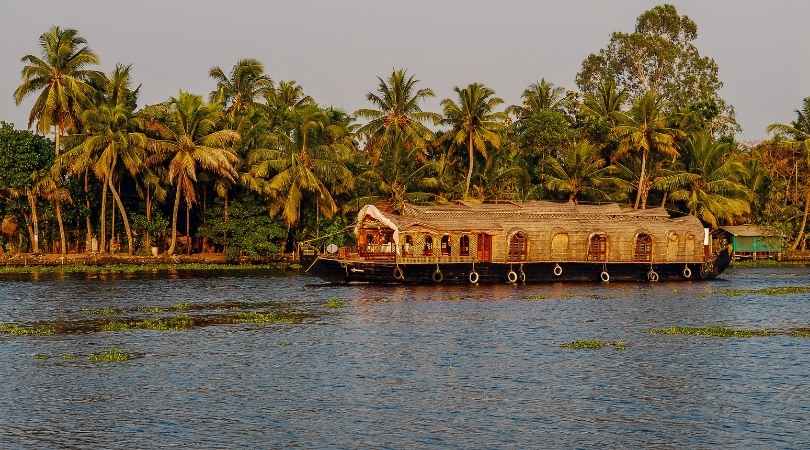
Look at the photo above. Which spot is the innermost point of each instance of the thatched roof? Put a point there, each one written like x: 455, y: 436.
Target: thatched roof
x: 462, y: 216
x: 751, y: 230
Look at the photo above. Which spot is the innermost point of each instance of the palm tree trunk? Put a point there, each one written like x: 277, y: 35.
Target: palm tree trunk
x: 147, y: 240
x: 102, y: 239
x: 641, y: 179
x: 34, y: 222
x: 188, y: 227
x: 800, y: 237
x: 88, y: 223
x: 124, y: 218
x: 58, y: 207
x: 664, y: 200
x: 470, y: 167
x: 174, y: 219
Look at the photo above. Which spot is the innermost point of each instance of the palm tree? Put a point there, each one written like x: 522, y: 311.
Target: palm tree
x: 580, y: 170
x: 397, y: 119
x: 644, y: 129
x: 110, y: 139
x: 541, y: 96
x: 240, y: 89
x: 606, y: 103
x: 474, y: 122
x: 798, y: 138
x: 62, y: 78
x: 189, y: 140
x: 289, y: 95
x: 309, y: 160
x: 710, y: 182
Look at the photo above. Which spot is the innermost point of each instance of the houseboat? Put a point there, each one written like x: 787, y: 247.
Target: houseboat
x: 526, y: 242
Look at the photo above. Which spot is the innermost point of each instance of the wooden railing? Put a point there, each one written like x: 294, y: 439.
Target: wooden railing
x: 417, y: 256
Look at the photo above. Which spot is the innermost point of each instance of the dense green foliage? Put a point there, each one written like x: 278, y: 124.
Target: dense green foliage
x: 256, y: 165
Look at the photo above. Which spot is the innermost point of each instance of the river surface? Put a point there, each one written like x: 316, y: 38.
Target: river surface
x: 410, y: 367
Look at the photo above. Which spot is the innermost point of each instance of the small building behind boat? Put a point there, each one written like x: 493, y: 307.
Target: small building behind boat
x: 751, y: 241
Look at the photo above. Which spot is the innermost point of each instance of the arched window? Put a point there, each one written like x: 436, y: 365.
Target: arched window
x: 673, y: 242
x: 689, y: 244
x: 464, y: 245
x: 644, y: 245
x: 517, y: 246
x: 597, y: 247
x: 428, y: 250
x: 559, y: 246
x: 445, y: 245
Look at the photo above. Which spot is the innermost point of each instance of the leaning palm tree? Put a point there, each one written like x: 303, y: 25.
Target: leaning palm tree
x: 709, y: 184
x: 580, y: 171
x: 474, y: 122
x: 644, y: 130
x: 47, y: 185
x: 62, y: 79
x: 240, y: 90
x: 304, y: 163
x: 189, y: 141
x: 397, y: 119
x: 111, y: 138
x: 797, y: 137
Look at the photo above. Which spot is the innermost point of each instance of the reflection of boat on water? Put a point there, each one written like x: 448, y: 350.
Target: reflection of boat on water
x: 521, y: 242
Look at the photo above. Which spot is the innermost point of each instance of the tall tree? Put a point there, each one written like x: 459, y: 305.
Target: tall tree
x: 797, y: 135
x: 62, y: 78
x: 474, y: 122
x: 189, y: 141
x: 709, y: 183
x: 659, y: 55
x: 644, y: 130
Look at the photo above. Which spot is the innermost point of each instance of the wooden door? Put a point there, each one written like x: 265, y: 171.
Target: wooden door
x: 484, y: 247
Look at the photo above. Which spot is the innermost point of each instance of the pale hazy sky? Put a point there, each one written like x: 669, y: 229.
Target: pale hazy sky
x: 335, y: 49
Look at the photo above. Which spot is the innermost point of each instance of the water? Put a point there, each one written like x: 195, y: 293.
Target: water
x: 416, y: 367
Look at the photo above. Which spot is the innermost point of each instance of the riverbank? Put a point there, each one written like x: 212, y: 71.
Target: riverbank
x: 96, y: 263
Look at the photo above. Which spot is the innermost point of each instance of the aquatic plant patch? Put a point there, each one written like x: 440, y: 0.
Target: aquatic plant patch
x: 335, y: 303
x: 769, y: 291
x: 26, y: 330
x: 164, y: 323
x: 110, y: 355
x: 536, y: 297
x: 593, y: 344
x: 727, y: 332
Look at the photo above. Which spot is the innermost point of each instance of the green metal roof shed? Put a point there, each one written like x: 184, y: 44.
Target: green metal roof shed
x: 754, y: 239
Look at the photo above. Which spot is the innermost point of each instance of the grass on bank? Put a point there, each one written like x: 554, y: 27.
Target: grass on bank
x: 139, y: 268
x: 593, y: 344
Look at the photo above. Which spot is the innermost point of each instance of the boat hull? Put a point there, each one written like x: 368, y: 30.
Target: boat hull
x: 348, y: 271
